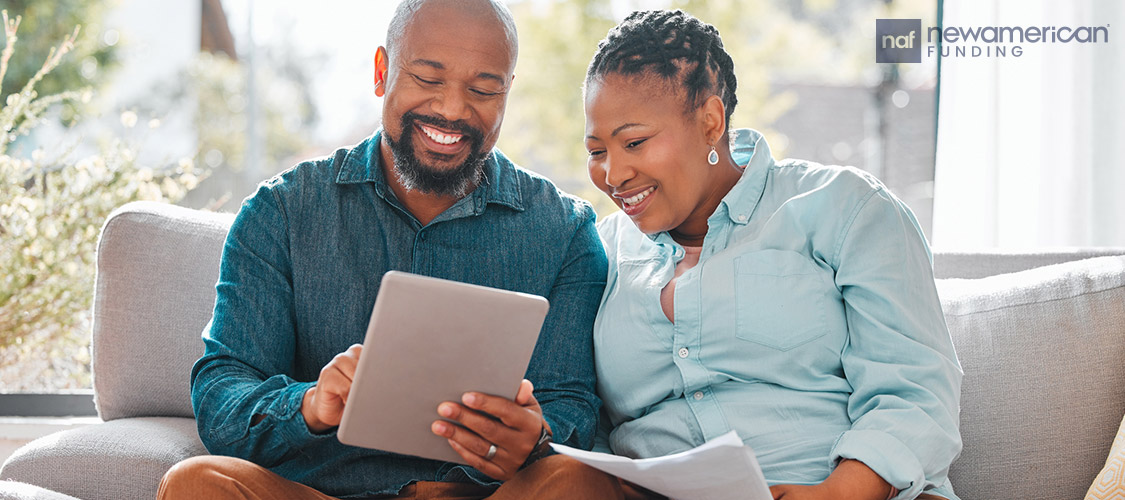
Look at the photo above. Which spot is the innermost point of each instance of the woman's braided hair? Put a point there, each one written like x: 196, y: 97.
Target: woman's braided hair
x: 670, y: 43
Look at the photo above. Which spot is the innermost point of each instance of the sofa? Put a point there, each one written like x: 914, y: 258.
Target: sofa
x: 1040, y: 336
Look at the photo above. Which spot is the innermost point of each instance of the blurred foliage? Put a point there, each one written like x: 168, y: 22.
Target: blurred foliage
x: 45, y: 22
x: 52, y: 206
x: 218, y: 86
x: 214, y: 90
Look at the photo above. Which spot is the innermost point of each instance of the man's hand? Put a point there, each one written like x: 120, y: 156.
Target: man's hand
x: 513, y: 427
x: 323, y: 404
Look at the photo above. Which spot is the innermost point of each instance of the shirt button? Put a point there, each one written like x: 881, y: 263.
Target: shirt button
x: 698, y: 395
x: 742, y: 218
x: 683, y: 352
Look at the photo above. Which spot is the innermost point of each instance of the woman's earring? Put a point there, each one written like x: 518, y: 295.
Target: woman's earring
x: 713, y: 157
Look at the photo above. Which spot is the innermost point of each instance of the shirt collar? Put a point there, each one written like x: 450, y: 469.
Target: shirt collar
x: 500, y: 185
x: 750, y: 151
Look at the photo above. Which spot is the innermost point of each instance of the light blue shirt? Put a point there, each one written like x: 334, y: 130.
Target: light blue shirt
x: 811, y: 326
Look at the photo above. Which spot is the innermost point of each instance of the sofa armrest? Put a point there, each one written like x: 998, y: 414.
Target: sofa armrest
x: 119, y: 460
x: 1044, y: 385
x: 157, y: 266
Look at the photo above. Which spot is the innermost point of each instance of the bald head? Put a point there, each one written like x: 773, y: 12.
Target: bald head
x: 484, y: 11
x: 445, y: 77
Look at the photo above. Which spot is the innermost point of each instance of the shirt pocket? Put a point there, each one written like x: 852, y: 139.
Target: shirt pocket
x: 778, y: 299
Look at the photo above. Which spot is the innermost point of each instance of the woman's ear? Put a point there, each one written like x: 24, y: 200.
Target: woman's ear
x: 380, y: 71
x: 714, y: 118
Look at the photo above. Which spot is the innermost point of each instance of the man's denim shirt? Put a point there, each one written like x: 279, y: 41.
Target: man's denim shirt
x: 300, y: 271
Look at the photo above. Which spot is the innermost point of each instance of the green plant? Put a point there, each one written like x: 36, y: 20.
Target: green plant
x: 51, y: 208
x: 94, y: 54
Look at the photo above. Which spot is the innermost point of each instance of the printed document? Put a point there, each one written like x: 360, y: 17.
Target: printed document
x: 721, y: 469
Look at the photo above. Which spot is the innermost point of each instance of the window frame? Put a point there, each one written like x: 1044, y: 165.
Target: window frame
x: 78, y: 403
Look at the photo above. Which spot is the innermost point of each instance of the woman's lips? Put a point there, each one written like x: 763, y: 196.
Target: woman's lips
x: 636, y: 201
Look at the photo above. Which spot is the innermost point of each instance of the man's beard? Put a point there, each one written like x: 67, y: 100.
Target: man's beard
x: 418, y: 176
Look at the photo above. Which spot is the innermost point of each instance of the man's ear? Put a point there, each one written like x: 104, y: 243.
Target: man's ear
x: 714, y: 119
x: 380, y: 71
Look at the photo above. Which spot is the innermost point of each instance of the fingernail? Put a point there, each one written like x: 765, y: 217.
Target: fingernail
x: 469, y: 398
x: 445, y: 410
x: 438, y: 428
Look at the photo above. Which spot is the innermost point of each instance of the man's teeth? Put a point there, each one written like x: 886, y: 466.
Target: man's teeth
x: 633, y: 200
x: 441, y: 138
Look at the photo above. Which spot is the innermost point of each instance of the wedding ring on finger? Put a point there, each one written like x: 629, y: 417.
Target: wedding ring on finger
x: 491, y: 452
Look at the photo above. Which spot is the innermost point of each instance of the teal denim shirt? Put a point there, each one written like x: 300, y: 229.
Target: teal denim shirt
x: 811, y: 326
x: 300, y: 271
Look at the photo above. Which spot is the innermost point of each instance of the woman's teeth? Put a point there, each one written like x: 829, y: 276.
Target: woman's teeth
x: 633, y: 200
x: 441, y: 138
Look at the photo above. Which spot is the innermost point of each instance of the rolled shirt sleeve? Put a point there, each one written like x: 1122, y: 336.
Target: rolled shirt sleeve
x: 898, y: 356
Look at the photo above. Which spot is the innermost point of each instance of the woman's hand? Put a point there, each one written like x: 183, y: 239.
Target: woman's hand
x: 852, y: 480
x: 800, y: 492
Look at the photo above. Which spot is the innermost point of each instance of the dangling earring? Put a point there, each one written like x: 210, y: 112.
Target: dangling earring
x: 713, y: 157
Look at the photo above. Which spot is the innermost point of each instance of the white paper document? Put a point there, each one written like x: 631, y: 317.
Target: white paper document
x: 721, y: 469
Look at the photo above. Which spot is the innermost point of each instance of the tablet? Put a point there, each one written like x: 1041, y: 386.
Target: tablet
x: 431, y: 340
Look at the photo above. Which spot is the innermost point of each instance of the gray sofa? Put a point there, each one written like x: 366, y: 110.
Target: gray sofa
x: 1041, y: 338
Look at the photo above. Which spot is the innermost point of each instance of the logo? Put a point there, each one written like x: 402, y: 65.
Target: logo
x: 898, y: 40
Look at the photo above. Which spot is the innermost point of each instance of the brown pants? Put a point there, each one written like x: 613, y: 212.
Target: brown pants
x: 554, y: 477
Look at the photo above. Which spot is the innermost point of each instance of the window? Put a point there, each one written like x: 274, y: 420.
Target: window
x: 278, y: 81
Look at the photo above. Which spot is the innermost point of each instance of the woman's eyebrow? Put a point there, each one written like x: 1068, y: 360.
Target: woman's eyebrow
x: 623, y: 127
x: 617, y: 130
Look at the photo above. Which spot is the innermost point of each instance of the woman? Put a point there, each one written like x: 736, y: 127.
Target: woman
x: 789, y: 301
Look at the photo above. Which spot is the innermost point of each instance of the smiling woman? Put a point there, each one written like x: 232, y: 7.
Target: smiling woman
x: 798, y: 298
x: 629, y: 126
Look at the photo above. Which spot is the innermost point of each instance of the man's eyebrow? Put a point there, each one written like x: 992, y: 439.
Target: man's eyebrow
x: 428, y: 62
x: 437, y: 65
x: 492, y: 76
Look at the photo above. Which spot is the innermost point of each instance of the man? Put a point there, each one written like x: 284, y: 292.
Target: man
x: 429, y: 195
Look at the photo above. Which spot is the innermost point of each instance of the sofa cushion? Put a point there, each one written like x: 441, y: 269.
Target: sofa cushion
x: 119, y: 460
x: 154, y: 294
x: 1044, y: 385
x: 11, y: 490
x: 1110, y: 483
x: 979, y: 264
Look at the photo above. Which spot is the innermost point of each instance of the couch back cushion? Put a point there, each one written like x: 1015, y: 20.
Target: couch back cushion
x: 990, y: 262
x: 157, y: 266
x: 1043, y: 352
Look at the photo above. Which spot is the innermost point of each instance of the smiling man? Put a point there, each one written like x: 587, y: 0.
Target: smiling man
x: 426, y: 194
